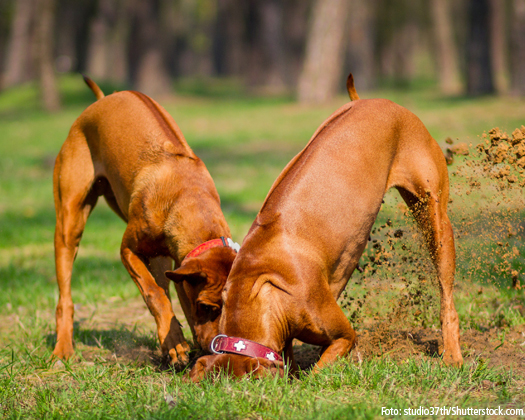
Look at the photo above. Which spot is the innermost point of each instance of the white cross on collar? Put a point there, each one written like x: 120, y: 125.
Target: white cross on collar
x: 239, y: 345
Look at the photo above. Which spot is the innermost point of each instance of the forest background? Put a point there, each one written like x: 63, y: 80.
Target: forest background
x: 302, y: 48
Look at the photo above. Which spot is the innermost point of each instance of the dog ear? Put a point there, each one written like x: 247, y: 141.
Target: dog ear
x: 191, y: 271
x: 200, y: 370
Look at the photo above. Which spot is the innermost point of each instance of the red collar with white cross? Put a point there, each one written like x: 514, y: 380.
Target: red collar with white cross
x: 225, y: 344
x: 214, y: 243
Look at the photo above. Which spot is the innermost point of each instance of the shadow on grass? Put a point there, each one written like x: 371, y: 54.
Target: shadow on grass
x: 126, y: 344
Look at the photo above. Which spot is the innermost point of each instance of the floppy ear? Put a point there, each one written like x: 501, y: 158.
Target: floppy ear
x: 191, y: 271
x: 201, y: 368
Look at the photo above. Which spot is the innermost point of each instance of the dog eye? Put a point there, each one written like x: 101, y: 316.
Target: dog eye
x: 208, y: 311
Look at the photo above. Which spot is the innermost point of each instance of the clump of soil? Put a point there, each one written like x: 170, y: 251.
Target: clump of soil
x: 504, y: 156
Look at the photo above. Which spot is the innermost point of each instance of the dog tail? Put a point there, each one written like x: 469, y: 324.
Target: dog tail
x: 94, y: 87
x: 351, y: 88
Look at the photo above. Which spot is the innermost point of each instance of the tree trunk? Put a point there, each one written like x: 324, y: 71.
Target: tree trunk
x: 107, y: 56
x: 273, y: 44
x: 518, y: 48
x: 97, y: 55
x: 498, y: 45
x: 118, y: 43
x: 48, y: 83
x: 296, y: 14
x: 151, y: 74
x: 321, y: 74
x: 361, y: 41
x: 447, y: 55
x: 229, y: 46
x: 19, y: 61
x: 479, y: 72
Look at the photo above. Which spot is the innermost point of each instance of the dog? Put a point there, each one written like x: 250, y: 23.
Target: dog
x: 127, y: 148
x: 312, y: 229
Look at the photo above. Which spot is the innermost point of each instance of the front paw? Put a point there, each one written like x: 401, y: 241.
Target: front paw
x: 179, y: 356
x: 63, y: 351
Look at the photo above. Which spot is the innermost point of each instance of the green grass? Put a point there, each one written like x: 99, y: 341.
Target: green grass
x: 245, y: 142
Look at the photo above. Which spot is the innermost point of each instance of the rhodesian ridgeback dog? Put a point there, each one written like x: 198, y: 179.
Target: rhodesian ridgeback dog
x: 126, y: 147
x: 312, y: 229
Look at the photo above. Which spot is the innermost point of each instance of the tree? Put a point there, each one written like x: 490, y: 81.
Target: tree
x: 45, y: 30
x: 107, y: 50
x: 273, y: 44
x: 446, y: 51
x: 229, y: 43
x: 361, y: 43
x: 518, y: 48
x: 479, y: 70
x: 150, y: 74
x: 498, y: 45
x: 321, y: 74
x: 19, y: 60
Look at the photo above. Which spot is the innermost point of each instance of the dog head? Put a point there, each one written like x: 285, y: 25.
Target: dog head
x: 203, y: 278
x: 235, y: 365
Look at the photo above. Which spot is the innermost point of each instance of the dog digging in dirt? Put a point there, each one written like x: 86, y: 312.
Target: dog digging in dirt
x: 127, y: 148
x: 312, y: 229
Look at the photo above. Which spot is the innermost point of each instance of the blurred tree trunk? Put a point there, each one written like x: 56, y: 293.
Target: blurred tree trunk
x: 479, y: 72
x: 498, y: 45
x: 19, y: 60
x: 518, y: 48
x: 202, y: 36
x: 229, y: 48
x: 66, y: 36
x: 97, y: 54
x: 361, y: 41
x: 321, y: 74
x: 147, y: 50
x: 296, y: 14
x: 447, y: 55
x: 107, y: 55
x: 45, y: 28
x: 401, y: 38
x: 273, y: 44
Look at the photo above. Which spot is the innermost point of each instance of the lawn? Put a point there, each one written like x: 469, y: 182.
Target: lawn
x: 245, y: 142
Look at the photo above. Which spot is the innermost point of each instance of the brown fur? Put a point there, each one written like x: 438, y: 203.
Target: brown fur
x: 314, y: 225
x: 127, y: 148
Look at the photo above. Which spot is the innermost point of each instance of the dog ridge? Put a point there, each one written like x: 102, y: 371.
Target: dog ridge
x: 314, y: 225
x: 127, y: 148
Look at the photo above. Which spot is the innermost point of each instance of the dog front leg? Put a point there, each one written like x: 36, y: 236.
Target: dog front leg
x: 332, y: 330
x: 171, y: 338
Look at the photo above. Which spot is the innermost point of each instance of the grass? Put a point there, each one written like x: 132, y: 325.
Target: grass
x: 245, y: 142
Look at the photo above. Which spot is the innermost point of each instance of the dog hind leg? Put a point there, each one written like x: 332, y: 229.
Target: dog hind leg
x: 75, y: 198
x: 426, y: 193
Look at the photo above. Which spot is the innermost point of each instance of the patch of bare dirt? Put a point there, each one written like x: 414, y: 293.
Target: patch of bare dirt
x: 497, y: 349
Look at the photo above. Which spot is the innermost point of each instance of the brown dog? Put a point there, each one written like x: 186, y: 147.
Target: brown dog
x: 127, y: 148
x: 312, y: 229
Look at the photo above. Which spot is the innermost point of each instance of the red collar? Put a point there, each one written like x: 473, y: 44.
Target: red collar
x: 224, y: 344
x: 214, y: 243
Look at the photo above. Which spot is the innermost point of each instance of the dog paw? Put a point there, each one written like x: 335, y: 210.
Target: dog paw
x: 63, y: 352
x: 179, y: 356
x: 451, y: 359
